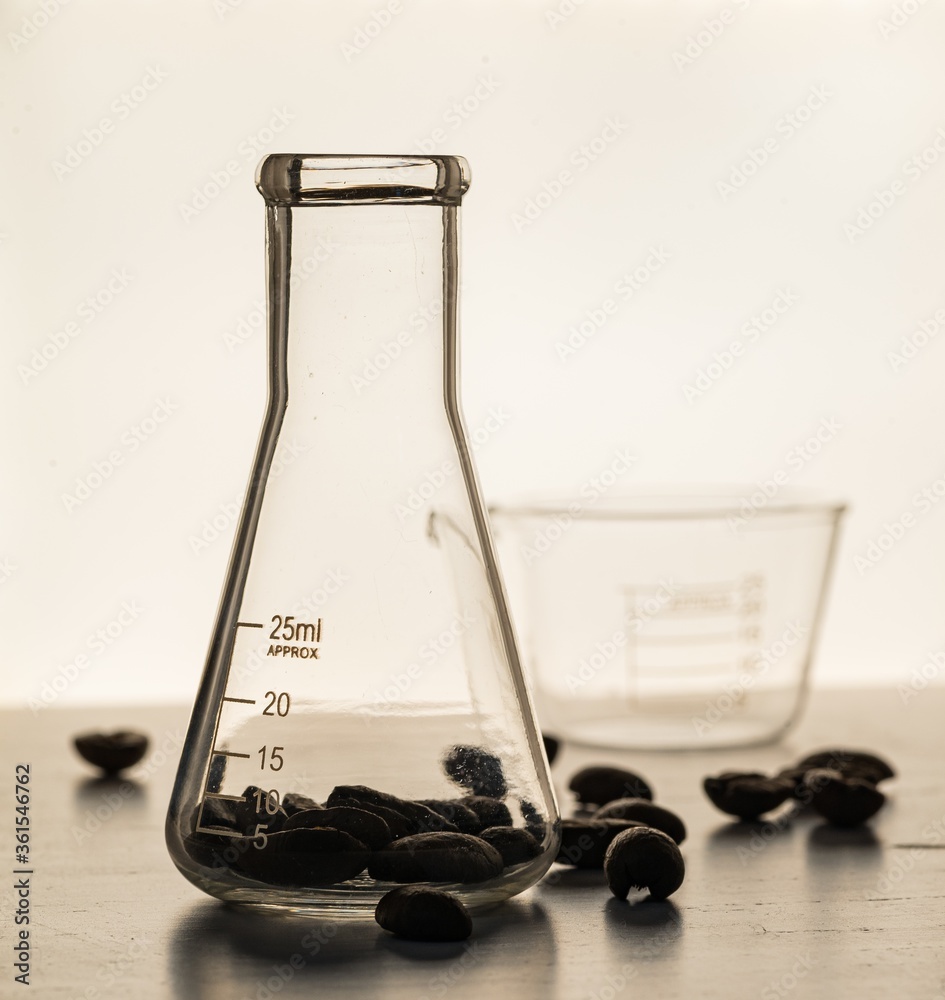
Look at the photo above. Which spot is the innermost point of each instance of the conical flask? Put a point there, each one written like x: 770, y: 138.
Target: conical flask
x: 362, y: 720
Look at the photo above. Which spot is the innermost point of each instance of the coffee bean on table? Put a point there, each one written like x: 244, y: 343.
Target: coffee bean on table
x: 365, y: 826
x: 316, y: 857
x: 476, y: 769
x: 850, y: 763
x: 644, y: 812
x: 436, y: 857
x: 644, y: 858
x: 841, y: 800
x: 419, y: 913
x: 746, y: 794
x: 600, y: 785
x: 513, y: 843
x: 112, y: 752
x: 584, y: 842
x: 552, y: 745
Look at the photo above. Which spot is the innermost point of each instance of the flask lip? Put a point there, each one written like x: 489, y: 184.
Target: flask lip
x: 335, y: 179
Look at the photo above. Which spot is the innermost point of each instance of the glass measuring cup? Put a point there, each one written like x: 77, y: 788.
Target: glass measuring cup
x: 668, y: 622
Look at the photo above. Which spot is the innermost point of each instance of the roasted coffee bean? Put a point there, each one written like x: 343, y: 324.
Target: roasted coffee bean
x: 420, y: 819
x: 644, y: 812
x: 112, y: 752
x: 644, y: 858
x: 534, y: 821
x: 255, y: 808
x: 794, y: 776
x: 216, y: 773
x: 491, y: 812
x: 476, y: 769
x: 850, y: 763
x: 842, y: 800
x: 462, y: 817
x: 316, y: 857
x: 746, y: 794
x: 584, y: 842
x: 365, y: 826
x: 600, y: 785
x: 513, y: 843
x: 436, y: 857
x: 293, y: 802
x: 419, y: 913
x: 396, y: 823
x: 216, y: 813
x: 552, y: 746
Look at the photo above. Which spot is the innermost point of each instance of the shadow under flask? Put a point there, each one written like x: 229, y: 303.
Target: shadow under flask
x: 362, y: 715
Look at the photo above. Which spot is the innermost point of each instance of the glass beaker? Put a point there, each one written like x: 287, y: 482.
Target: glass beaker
x: 362, y: 689
x: 669, y: 621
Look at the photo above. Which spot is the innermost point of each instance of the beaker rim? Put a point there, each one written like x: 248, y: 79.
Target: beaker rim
x: 672, y: 503
x: 297, y: 179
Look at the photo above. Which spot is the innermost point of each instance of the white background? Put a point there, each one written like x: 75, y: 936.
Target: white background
x: 532, y: 90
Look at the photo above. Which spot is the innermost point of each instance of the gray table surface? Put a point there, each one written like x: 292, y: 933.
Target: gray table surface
x: 794, y: 909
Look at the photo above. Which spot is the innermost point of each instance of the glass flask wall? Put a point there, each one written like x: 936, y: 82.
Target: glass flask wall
x: 363, y: 634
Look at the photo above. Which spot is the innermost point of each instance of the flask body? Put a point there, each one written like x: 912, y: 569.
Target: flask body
x: 362, y: 659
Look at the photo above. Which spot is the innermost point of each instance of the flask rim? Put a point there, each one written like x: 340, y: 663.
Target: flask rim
x: 343, y: 179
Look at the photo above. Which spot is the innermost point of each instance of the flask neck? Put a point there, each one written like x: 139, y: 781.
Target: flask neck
x: 363, y: 300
